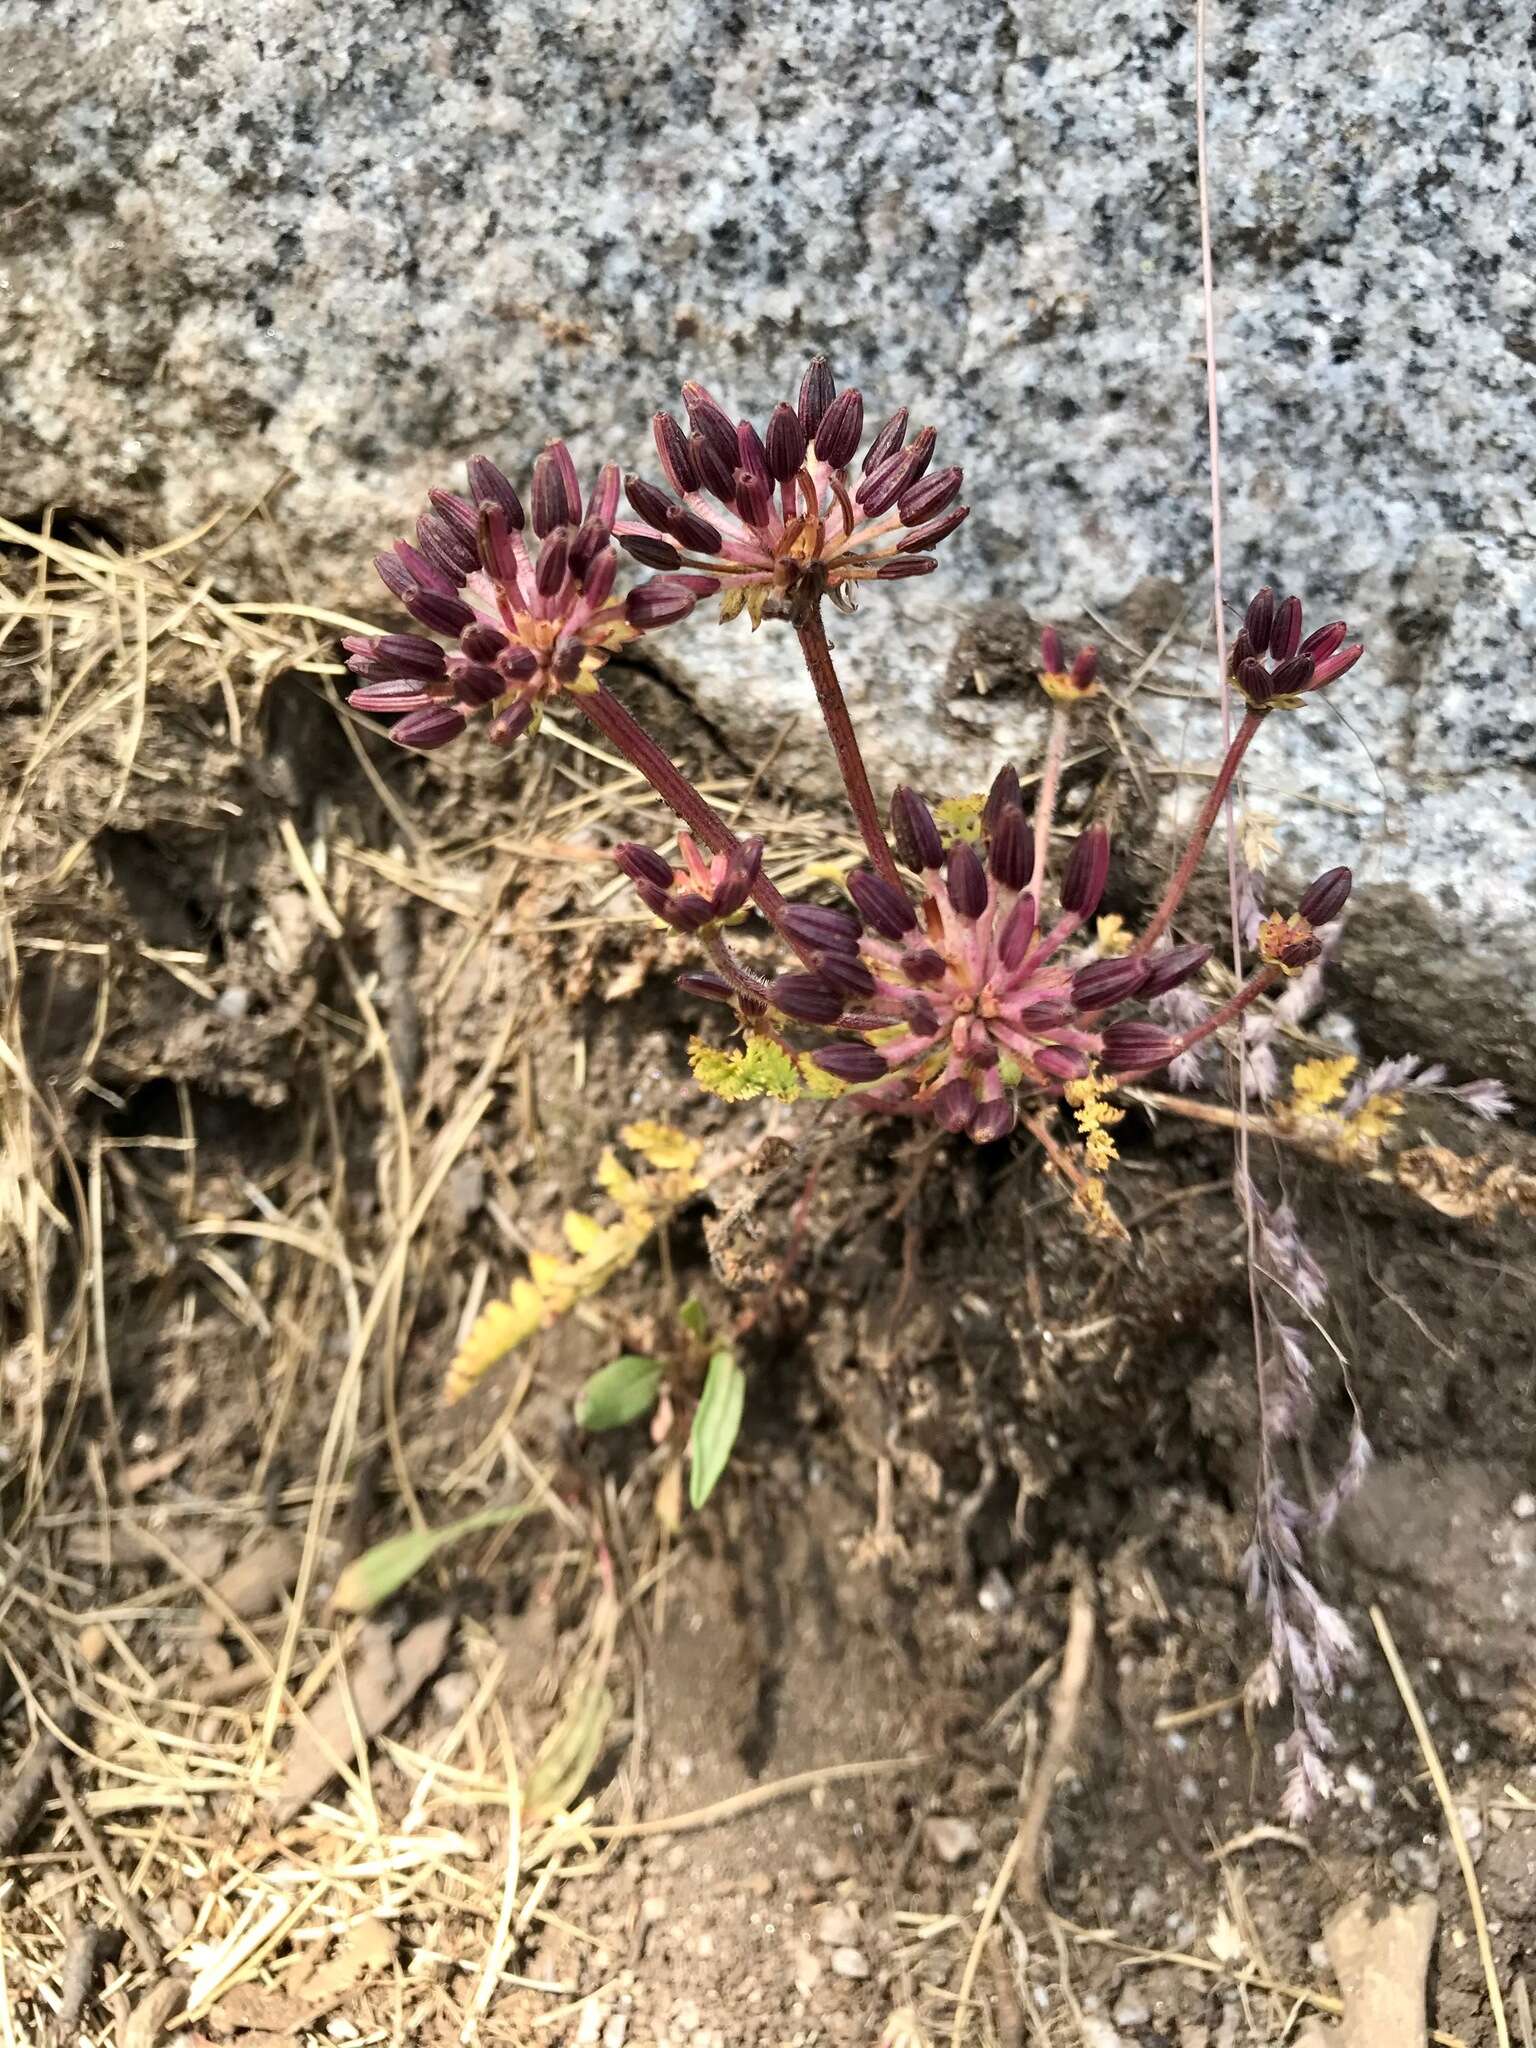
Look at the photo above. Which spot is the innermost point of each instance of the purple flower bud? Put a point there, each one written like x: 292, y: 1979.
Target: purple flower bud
x: 456, y: 513
x: 847, y: 974
x: 924, y: 501
x: 1004, y: 793
x: 661, y: 602
x: 883, y: 907
x: 1087, y: 872
x: 750, y: 452
x: 1325, y: 641
x: 819, y: 925
x: 715, y: 473
x: 598, y: 579
x: 1335, y: 665
x: 424, y: 573
x: 904, y: 565
x: 591, y: 537
x: 854, y: 1063
x: 487, y: 486
x: 918, y: 845
x: 837, y: 435
x: 1255, y: 682
x: 938, y: 529
x: 548, y: 500
x: 1292, y: 676
x: 477, y: 686
x: 1015, y: 933
x: 603, y: 504
x: 1240, y: 651
x: 754, y: 498
x: 886, y: 442
x: 689, y: 912
x: 967, y: 880
x: 654, y: 554
x: 1011, y: 849
x: 510, y: 724
x: 924, y: 965
x: 445, y: 548
x: 1106, y: 982
x: 711, y: 420
x: 676, y: 457
x: 692, y: 531
x: 442, y: 614
x: 1051, y: 656
x: 1132, y: 1045
x: 1285, y: 634
x: 1171, y: 969
x: 394, y: 575
x: 554, y: 560
x: 785, y: 443
x: 643, y: 864
x: 742, y: 870
x: 920, y: 454
x: 817, y: 391
x: 1085, y: 667
x: 433, y: 728
x: 883, y: 486
x: 993, y: 1120
x: 1327, y: 896
x: 712, y: 987
x: 953, y: 1105
x: 1259, y: 621
x: 494, y: 544
x: 649, y: 503
x: 407, y: 654
x: 922, y: 1017
x: 1061, y: 1062
x: 806, y: 998
x: 517, y: 663
x: 701, y: 586
x: 395, y: 694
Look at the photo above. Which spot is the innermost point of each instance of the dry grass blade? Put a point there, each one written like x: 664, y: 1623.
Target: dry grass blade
x: 1453, y: 1825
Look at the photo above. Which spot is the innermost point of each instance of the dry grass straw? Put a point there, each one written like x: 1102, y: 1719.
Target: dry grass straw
x: 249, y: 1313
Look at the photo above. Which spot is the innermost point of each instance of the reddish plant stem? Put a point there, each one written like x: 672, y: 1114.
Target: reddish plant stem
x: 741, y: 978
x: 680, y: 796
x: 829, y: 695
x: 1045, y: 806
x: 1210, y: 810
x: 1251, y: 989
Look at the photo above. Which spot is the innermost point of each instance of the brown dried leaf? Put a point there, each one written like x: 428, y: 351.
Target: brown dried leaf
x: 149, y: 2018
x: 253, y: 1583
x: 1462, y: 1187
x: 382, y: 1684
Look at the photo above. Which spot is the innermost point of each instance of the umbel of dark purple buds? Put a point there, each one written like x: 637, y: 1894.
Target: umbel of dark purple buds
x: 1274, y: 666
x: 528, y: 598
x: 705, y: 891
x: 781, y: 513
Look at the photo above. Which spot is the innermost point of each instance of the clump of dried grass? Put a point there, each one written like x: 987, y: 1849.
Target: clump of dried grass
x: 165, y: 1309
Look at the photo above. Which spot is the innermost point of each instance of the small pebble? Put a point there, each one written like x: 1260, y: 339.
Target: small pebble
x: 1524, y: 1507
x: 837, y: 1927
x: 1418, y: 1864
x: 994, y: 1595
x: 951, y: 1840
x: 1132, y: 2009
x: 849, y: 1962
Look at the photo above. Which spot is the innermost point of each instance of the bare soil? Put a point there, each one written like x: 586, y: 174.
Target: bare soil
x: 319, y: 1041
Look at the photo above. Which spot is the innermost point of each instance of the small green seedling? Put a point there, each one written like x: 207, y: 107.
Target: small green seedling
x: 634, y: 1385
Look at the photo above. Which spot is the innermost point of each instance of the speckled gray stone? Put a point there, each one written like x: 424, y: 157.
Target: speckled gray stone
x: 357, y: 241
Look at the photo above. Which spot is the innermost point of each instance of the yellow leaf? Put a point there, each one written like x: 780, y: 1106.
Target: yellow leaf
x: 1113, y: 938
x: 499, y: 1328
x: 835, y: 871
x: 617, y: 1182
x: 1317, y: 1083
x: 661, y: 1146
x: 582, y: 1233
x: 551, y: 1276
x: 761, y: 1067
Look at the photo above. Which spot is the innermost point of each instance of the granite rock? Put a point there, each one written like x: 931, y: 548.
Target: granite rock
x: 244, y: 239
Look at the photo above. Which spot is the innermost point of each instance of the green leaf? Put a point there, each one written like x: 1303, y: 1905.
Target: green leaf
x: 393, y: 1563
x: 693, y: 1319
x: 619, y: 1392
x: 715, y: 1425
